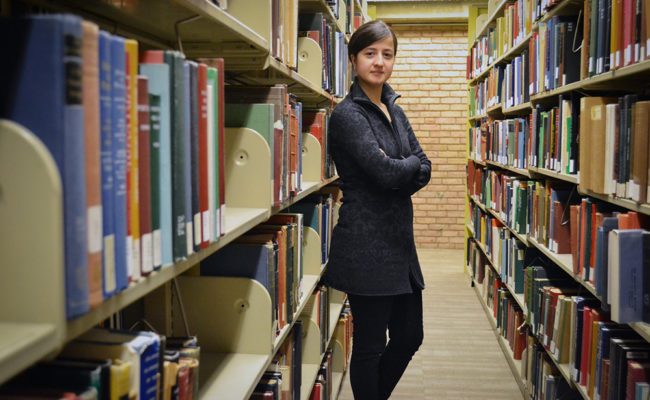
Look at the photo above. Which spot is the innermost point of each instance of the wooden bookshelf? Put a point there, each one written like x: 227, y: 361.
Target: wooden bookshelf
x: 625, y: 203
x: 555, y: 175
x: 518, y: 171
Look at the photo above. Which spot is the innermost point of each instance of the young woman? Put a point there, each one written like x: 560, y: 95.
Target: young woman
x: 372, y: 255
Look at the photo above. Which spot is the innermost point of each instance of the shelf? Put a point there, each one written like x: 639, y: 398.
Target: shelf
x: 491, y: 18
x: 515, y: 365
x: 625, y: 203
x: 478, y: 117
x: 555, y: 175
x: 551, y: 94
x: 230, y: 375
x: 642, y: 329
x: 238, y: 222
x: 625, y: 78
x: 309, y: 375
x: 522, y: 238
x: 23, y: 344
x: 482, y: 163
x: 565, y: 7
x: 519, y: 171
x: 519, y: 298
x: 496, y: 109
x: 524, y: 108
x: 507, y: 56
x: 565, y: 262
x: 204, y: 29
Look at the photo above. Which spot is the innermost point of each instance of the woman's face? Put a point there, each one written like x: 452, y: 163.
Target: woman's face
x: 374, y: 64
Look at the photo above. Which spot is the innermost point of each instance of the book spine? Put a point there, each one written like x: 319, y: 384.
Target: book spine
x: 144, y: 175
x: 90, y: 96
x: 118, y: 62
x: 155, y: 172
x: 106, y: 153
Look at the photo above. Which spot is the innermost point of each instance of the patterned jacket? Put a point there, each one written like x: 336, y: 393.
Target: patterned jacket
x: 372, y: 250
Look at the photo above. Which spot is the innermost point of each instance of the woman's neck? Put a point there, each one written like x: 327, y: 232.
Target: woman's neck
x: 373, y: 92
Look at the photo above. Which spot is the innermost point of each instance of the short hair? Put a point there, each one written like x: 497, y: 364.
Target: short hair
x: 367, y: 34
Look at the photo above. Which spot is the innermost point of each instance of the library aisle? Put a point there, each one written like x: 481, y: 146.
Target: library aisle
x: 460, y: 358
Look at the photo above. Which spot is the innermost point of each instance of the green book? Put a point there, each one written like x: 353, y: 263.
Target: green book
x: 175, y: 61
x: 257, y: 116
x: 154, y: 151
x: 215, y: 208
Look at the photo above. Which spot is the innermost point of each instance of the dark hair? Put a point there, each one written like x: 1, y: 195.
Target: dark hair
x: 367, y: 34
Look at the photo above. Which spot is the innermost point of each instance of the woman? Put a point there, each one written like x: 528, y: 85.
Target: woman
x: 372, y: 256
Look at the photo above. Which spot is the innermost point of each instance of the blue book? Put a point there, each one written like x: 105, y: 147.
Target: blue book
x: 626, y: 264
x: 106, y: 147
x: 118, y: 61
x: 602, y: 257
x: 246, y: 260
x: 187, y: 158
x: 41, y: 90
x: 606, y: 331
x: 159, y: 84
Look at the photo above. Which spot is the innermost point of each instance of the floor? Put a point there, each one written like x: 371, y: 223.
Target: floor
x: 460, y: 357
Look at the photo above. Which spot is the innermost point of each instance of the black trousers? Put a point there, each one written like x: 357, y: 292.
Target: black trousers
x: 377, y: 366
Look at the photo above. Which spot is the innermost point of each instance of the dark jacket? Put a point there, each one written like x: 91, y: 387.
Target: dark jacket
x: 372, y: 250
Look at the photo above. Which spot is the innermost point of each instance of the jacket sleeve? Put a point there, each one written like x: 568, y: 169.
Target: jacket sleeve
x: 423, y: 175
x: 351, y: 132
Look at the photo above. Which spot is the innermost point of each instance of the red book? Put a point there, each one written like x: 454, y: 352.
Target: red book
x: 585, y: 340
x: 129, y: 225
x: 144, y: 176
x: 581, y: 238
x: 561, y: 228
x: 636, y: 372
x: 90, y: 101
x: 629, y: 31
x: 604, y: 381
x: 316, y: 392
x: 203, y: 154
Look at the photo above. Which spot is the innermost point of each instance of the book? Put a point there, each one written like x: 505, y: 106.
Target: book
x: 50, y: 63
x: 625, y: 265
x: 144, y: 176
x: 109, y: 284
x: 118, y: 108
x: 134, y: 261
x: 90, y: 101
x: 153, y: 66
x: 154, y: 178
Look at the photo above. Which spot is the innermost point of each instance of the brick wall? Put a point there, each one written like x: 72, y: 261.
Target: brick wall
x: 429, y: 73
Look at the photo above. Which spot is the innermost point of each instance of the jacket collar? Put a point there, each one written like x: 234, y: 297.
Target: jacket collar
x: 388, y: 95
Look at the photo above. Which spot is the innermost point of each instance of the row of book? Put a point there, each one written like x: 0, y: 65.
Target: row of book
x: 591, y: 231
x: 335, y: 74
x: 566, y: 329
x: 612, y: 133
x: 108, y: 364
x: 510, y: 30
x: 615, y: 146
x: 138, y: 138
x: 283, y: 378
x: 604, y: 35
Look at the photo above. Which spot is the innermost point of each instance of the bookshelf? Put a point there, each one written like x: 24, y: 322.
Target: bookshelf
x: 32, y: 319
x: 617, y: 82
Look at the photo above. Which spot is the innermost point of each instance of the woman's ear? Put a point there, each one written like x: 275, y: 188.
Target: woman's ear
x: 353, y: 60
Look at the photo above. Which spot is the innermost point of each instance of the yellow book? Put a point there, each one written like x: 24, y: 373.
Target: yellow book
x: 613, y: 46
x: 132, y: 159
x: 120, y: 380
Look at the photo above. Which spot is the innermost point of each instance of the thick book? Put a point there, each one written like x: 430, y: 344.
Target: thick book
x: 639, y: 152
x: 179, y: 218
x: 144, y: 176
x: 90, y: 100
x: 153, y: 66
x: 41, y: 75
x: 106, y: 152
x: 625, y: 263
